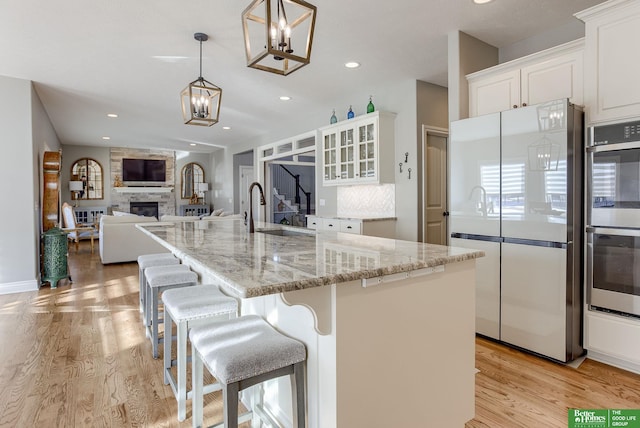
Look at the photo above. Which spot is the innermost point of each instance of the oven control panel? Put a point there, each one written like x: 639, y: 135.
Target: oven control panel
x: 617, y: 133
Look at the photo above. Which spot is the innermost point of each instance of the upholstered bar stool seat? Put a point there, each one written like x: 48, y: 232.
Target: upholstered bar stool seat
x: 151, y: 260
x: 240, y: 353
x: 159, y: 279
x: 189, y: 307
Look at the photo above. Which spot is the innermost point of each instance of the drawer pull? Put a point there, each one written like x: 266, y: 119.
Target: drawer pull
x: 349, y: 227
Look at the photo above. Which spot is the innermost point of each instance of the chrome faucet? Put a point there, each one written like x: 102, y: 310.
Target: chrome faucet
x: 262, y: 202
x: 483, y: 203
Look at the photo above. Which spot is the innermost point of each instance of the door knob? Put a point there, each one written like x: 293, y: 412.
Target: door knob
x: 445, y: 214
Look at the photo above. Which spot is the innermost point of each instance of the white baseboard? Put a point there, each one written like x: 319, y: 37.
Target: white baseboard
x: 613, y: 361
x: 19, y: 287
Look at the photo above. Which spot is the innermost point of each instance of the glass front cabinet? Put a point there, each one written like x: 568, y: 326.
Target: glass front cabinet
x: 359, y: 151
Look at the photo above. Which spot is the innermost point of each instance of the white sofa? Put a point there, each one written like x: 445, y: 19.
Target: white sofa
x: 120, y: 241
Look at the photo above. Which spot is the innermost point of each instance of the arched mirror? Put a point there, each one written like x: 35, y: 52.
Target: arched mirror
x: 192, y: 174
x: 87, y: 180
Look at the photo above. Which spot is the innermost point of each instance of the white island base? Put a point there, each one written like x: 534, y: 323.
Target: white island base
x: 397, y: 354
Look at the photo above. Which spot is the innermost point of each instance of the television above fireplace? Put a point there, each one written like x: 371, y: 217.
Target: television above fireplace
x: 144, y: 172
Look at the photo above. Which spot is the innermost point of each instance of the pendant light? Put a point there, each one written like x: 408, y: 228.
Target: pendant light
x: 276, y: 39
x: 201, y: 98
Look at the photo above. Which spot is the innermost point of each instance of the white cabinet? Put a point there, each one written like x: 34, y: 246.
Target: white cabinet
x: 385, y: 228
x: 612, y: 31
x: 545, y: 76
x: 358, y: 151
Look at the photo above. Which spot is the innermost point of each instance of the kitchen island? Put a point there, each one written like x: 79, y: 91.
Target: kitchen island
x: 389, y: 325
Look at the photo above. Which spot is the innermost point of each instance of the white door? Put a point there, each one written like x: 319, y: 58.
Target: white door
x: 434, y: 187
x: 246, y: 178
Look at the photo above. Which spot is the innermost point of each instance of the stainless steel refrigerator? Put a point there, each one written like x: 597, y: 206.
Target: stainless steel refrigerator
x: 516, y: 193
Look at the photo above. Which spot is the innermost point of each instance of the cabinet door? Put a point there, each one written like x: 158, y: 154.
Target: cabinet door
x: 612, y: 67
x: 329, y: 157
x: 493, y: 94
x: 367, y: 151
x: 553, y: 79
x: 347, y: 155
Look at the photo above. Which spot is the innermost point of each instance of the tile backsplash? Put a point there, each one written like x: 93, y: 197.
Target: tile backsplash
x: 367, y: 201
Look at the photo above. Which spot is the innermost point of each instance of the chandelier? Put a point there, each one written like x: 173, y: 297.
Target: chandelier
x: 201, y: 98
x: 276, y: 39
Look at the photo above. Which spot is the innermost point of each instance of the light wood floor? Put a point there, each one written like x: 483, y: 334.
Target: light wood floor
x: 77, y: 356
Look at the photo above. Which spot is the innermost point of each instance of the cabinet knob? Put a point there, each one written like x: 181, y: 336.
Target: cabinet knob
x: 445, y: 214
x: 524, y: 104
x: 330, y: 225
x: 515, y: 106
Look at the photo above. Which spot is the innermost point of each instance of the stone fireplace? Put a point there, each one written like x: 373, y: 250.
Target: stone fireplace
x: 124, y: 198
x: 147, y: 209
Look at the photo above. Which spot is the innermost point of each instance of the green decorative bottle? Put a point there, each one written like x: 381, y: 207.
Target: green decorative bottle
x: 370, y: 107
x: 333, y: 119
x: 350, y: 113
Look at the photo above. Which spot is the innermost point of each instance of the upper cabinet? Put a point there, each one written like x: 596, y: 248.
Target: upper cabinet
x: 358, y: 151
x: 612, y: 31
x: 544, y: 76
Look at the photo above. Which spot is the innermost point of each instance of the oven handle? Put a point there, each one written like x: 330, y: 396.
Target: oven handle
x: 613, y: 147
x: 611, y: 231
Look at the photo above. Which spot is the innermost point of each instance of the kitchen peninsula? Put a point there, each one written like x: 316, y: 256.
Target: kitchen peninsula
x: 389, y: 325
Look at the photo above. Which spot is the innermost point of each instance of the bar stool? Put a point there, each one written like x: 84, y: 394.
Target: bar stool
x: 151, y: 260
x: 189, y: 307
x: 159, y: 279
x: 240, y: 353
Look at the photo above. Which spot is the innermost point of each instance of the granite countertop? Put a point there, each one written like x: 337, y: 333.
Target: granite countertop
x: 251, y: 265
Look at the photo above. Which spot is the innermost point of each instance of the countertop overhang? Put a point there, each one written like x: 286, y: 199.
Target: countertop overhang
x: 258, y: 264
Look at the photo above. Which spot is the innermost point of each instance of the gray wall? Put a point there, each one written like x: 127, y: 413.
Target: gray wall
x: 26, y: 133
x: 466, y: 55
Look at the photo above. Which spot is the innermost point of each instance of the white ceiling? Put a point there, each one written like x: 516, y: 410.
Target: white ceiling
x: 90, y: 58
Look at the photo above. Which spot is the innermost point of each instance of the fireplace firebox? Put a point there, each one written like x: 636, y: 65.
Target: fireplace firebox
x: 147, y: 209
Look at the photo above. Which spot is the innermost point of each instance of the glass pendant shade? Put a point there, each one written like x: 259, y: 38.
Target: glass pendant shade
x: 278, y: 34
x: 201, y: 103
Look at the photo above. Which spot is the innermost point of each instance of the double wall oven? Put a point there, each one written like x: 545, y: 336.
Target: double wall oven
x: 613, y: 218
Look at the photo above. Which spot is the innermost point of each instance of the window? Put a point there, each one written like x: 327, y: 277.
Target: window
x: 87, y: 177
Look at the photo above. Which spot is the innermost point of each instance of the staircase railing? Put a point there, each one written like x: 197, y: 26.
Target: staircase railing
x: 298, y: 188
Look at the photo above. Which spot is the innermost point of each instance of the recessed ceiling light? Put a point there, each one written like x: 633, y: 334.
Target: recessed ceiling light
x: 226, y: 128
x: 352, y: 64
x: 192, y: 144
x: 285, y: 98
x: 112, y: 115
x: 482, y: 1
x: 106, y: 138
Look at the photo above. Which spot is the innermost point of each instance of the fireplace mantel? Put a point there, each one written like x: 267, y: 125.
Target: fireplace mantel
x: 143, y: 189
